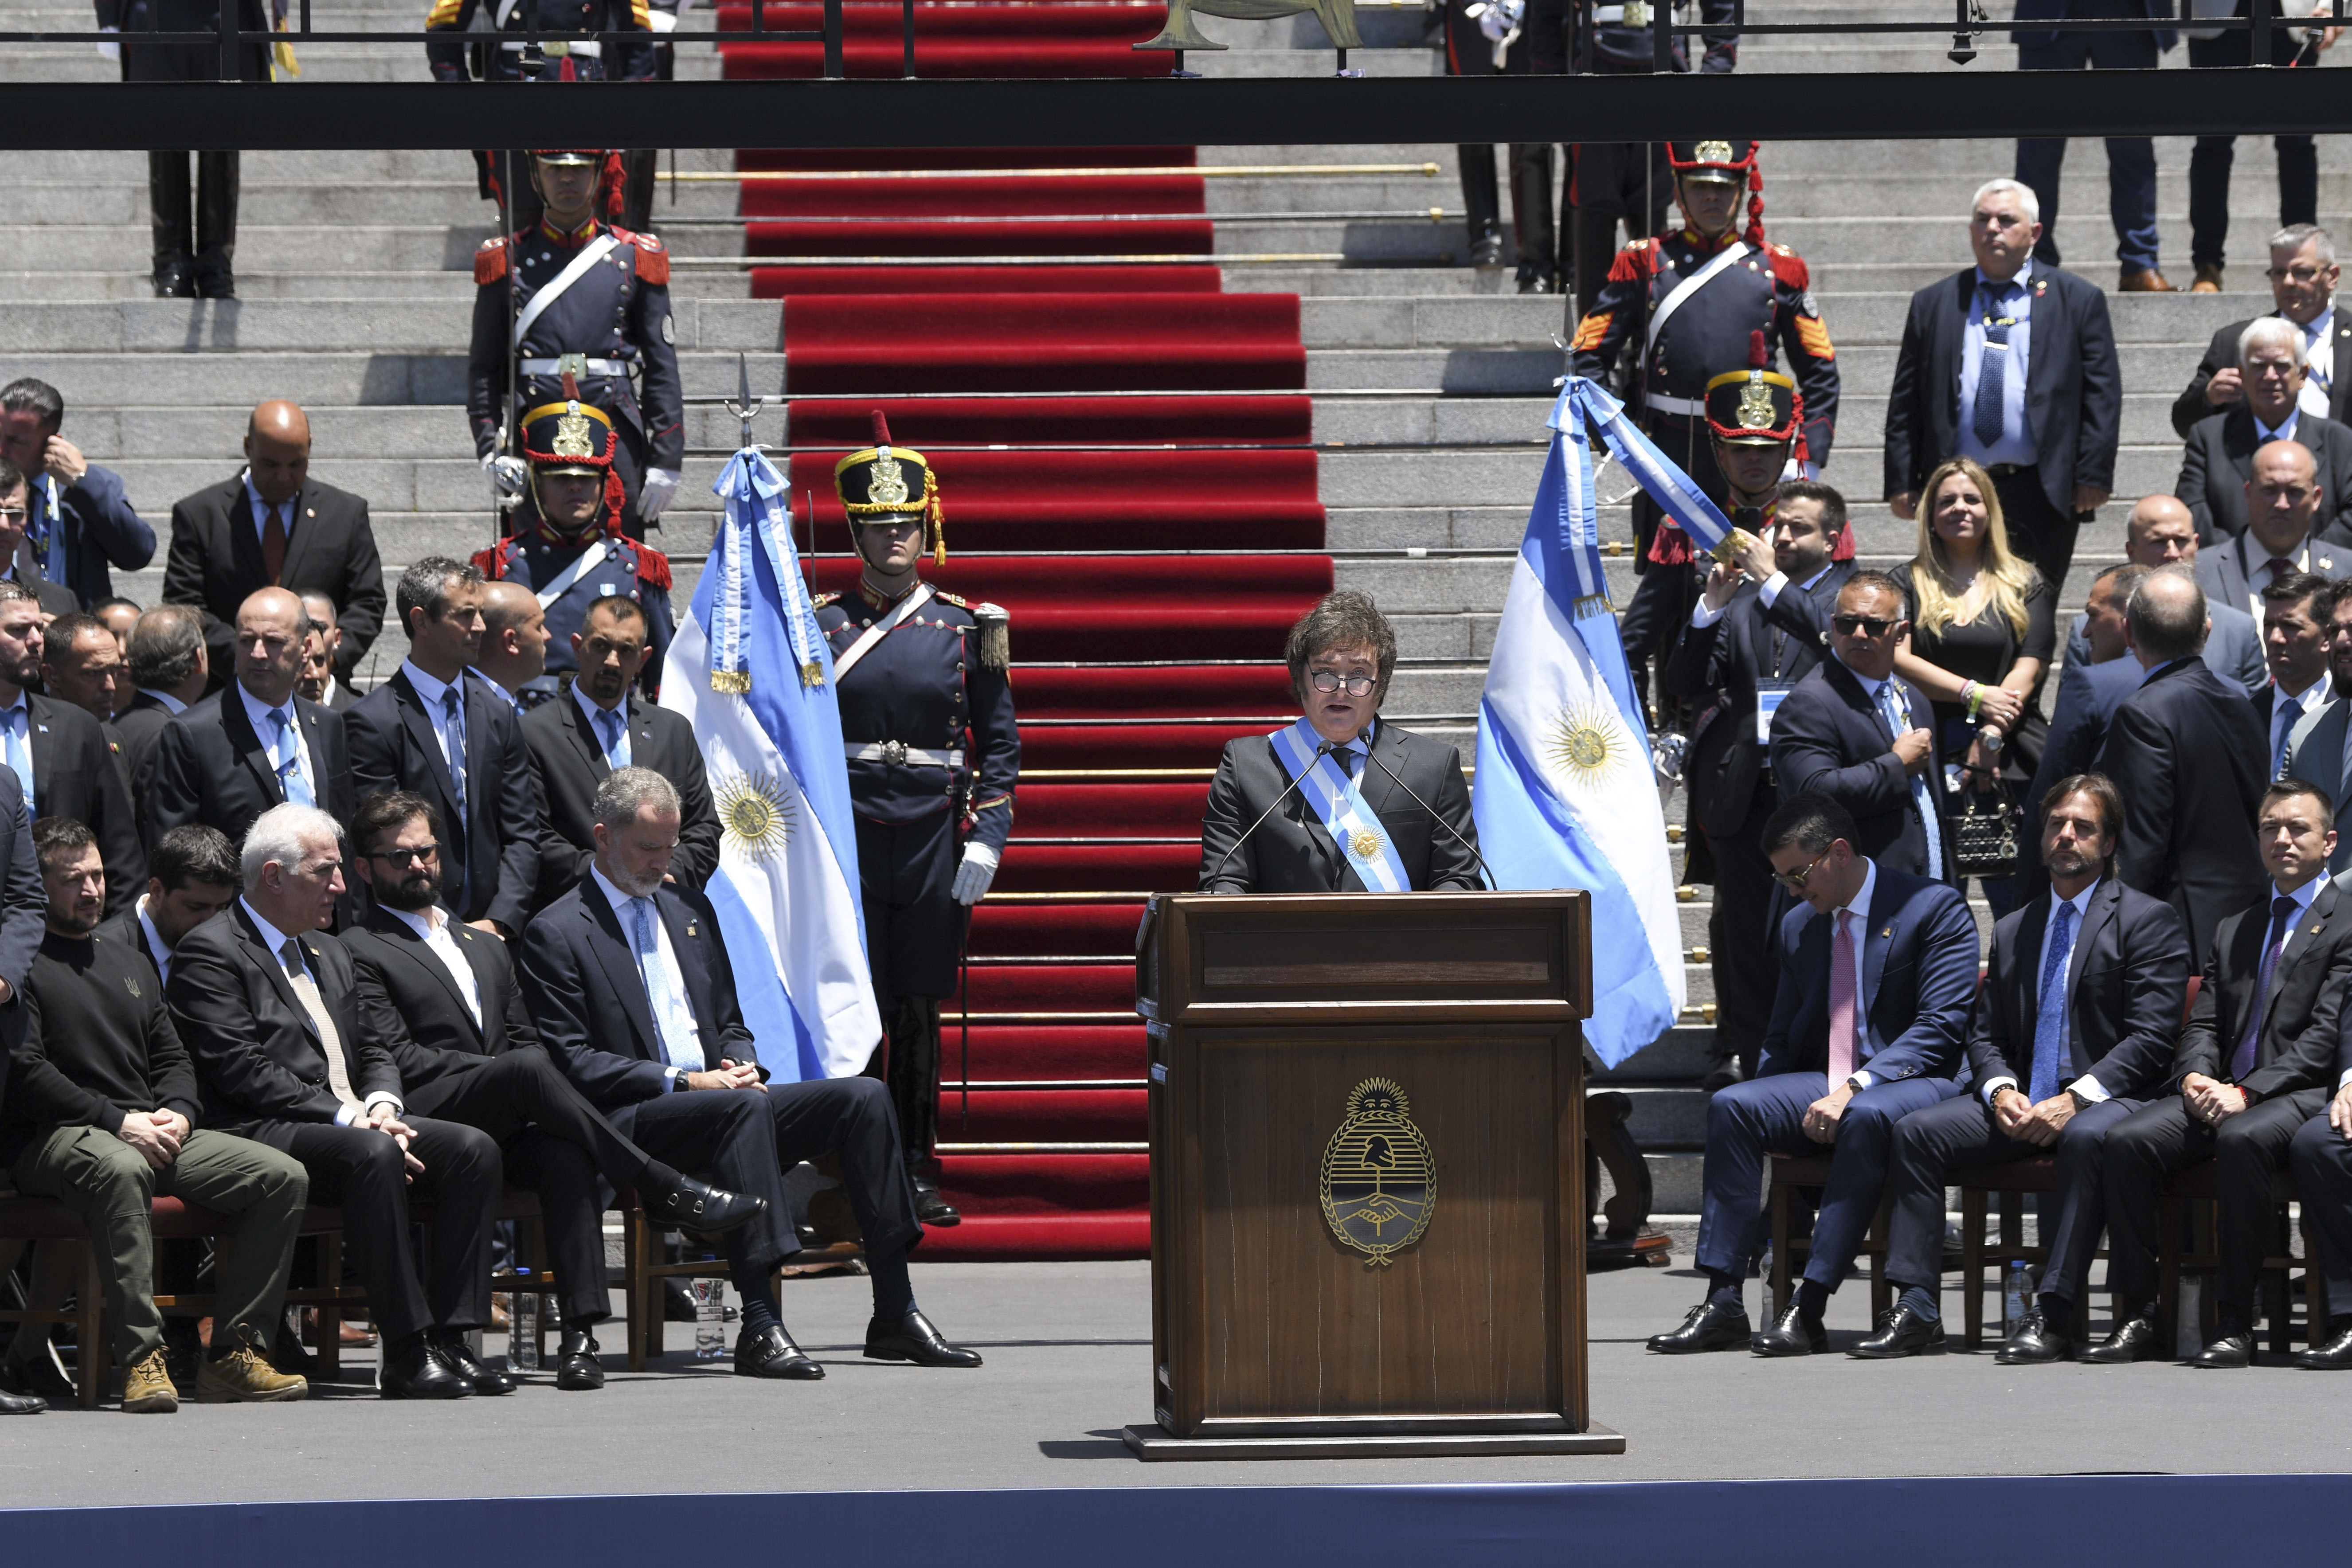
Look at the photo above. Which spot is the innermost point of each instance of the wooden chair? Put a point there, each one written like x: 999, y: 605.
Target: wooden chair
x: 643, y: 1272
x: 1788, y: 1173
x: 2187, y: 1243
x: 2009, y: 1184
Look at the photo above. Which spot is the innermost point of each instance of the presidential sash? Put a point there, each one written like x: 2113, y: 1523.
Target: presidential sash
x: 1340, y: 802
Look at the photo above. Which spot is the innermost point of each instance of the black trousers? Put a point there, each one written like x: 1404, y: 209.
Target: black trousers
x: 556, y: 1144
x: 2210, y: 159
x: 907, y: 1063
x: 1741, y: 950
x: 1469, y: 52
x: 360, y: 1171
x: 2037, y: 530
x: 2247, y: 1149
x: 195, y: 222
x: 2321, y: 1159
x: 722, y: 1136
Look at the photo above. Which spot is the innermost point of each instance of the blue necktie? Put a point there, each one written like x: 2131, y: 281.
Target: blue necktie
x: 671, y: 1019
x: 13, y: 730
x: 288, y: 753
x: 453, y: 709
x: 613, y: 728
x: 2049, y: 1014
x: 1891, y: 708
x: 1992, y: 374
x: 2282, y: 917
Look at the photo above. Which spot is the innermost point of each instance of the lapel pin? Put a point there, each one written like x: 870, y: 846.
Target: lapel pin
x: 689, y: 928
x: 1888, y: 932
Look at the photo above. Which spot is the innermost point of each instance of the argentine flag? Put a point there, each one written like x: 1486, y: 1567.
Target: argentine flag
x: 1565, y: 797
x: 749, y: 671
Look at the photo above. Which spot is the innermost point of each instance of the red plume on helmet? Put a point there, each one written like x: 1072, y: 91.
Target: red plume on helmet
x: 881, y: 428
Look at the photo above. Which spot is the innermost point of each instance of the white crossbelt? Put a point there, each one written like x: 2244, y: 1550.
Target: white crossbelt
x: 586, y: 562
x: 1688, y: 407
x: 846, y: 659
x: 1728, y: 256
x: 578, y: 365
x: 900, y: 756
x: 594, y: 251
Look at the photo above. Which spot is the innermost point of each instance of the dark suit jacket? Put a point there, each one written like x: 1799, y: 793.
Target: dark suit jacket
x: 1292, y: 851
x: 2191, y: 762
x: 2074, y: 385
x: 2315, y: 754
x: 412, y: 1004
x: 141, y: 725
x: 1730, y: 656
x: 24, y: 908
x: 2233, y: 651
x: 258, y: 1056
x: 1829, y: 737
x: 570, y: 765
x: 589, y: 1002
x: 490, y: 867
x: 2221, y: 353
x: 212, y: 767
x: 2227, y: 571
x: 2301, y: 1016
x: 2220, y: 459
x: 216, y: 563
x: 2051, y: 12
x: 76, y: 775
x: 99, y: 526
x: 2089, y: 696
x: 56, y: 598
x: 1919, y: 969
x: 2125, y: 987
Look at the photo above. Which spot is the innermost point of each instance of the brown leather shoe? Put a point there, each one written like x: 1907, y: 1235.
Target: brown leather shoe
x: 243, y: 1377
x: 2208, y: 281
x: 2148, y: 281
x: 147, y: 1387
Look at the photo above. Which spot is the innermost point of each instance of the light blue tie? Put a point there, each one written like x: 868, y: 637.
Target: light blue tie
x: 2049, y: 1014
x: 287, y: 751
x: 1898, y: 721
x: 615, y: 731
x: 671, y: 1018
x: 20, y: 754
x: 453, y: 710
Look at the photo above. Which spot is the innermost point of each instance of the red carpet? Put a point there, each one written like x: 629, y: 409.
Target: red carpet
x: 1148, y: 515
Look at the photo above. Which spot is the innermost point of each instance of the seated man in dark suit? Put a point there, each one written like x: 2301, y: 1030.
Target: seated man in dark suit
x: 2321, y: 1158
x: 169, y: 670
x: 266, y: 1002
x: 1852, y: 732
x: 634, y: 997
x: 2160, y: 533
x: 438, y: 730
x: 2253, y: 1065
x: 2186, y: 751
x: 60, y: 754
x: 2219, y: 458
x: 578, y: 739
x: 273, y: 526
x: 1376, y: 806
x: 443, y: 998
x: 254, y: 744
x: 2074, y: 1033
x: 2286, y: 496
x: 22, y: 902
x: 1867, y: 1027
x: 2317, y: 750
x: 192, y: 875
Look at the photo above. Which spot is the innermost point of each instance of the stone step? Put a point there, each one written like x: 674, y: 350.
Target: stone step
x: 450, y: 197
x: 109, y: 435
x: 242, y: 379
x: 318, y: 165
x: 328, y: 253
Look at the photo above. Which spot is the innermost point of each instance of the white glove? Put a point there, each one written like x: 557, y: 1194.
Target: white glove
x: 111, y: 51
x: 512, y: 475
x: 1500, y: 18
x: 655, y: 493
x: 661, y: 21
x: 978, y: 870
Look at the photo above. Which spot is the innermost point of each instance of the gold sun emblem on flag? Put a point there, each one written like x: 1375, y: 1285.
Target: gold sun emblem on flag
x: 1586, y: 744
x: 755, y: 812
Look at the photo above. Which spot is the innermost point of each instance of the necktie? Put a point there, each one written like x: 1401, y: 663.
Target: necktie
x: 2284, y: 711
x: 14, y: 731
x: 1890, y: 707
x: 44, y: 513
x: 288, y: 753
x: 273, y: 541
x: 2280, y: 567
x: 2049, y: 1012
x: 671, y: 1019
x: 1992, y: 374
x: 611, y: 727
x: 330, y: 1039
x: 1842, y: 992
x: 453, y: 713
x: 2282, y: 918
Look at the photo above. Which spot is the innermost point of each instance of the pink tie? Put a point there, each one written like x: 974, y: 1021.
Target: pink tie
x: 1842, y: 998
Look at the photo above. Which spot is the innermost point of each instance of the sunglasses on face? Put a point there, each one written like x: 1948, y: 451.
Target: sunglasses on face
x: 1869, y: 626
x: 416, y: 855
x: 1795, y: 880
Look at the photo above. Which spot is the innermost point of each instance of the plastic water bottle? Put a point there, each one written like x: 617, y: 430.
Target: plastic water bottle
x: 523, y: 1326
x: 2017, y: 1295
x: 709, y: 1317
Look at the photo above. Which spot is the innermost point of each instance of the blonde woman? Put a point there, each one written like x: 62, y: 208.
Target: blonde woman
x: 1983, y: 630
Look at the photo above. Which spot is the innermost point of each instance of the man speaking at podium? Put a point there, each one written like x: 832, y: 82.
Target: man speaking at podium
x: 1340, y: 802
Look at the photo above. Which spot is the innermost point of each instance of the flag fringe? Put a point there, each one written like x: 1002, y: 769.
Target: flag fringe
x: 730, y: 682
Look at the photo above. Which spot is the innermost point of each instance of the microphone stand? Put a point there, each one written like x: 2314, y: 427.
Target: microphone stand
x: 1437, y: 818
x: 1234, y: 847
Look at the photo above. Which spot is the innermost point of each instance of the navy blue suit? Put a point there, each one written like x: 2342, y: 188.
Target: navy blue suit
x: 2089, y: 696
x: 1916, y: 986
x: 2233, y: 649
x: 95, y: 525
x: 1828, y: 736
x: 2126, y: 986
x: 2131, y: 160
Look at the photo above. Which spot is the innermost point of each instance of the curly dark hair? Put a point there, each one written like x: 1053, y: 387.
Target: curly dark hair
x: 1342, y: 619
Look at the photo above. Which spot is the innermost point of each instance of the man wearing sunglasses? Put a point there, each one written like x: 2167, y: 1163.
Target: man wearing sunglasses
x: 1851, y: 732
x: 1879, y: 972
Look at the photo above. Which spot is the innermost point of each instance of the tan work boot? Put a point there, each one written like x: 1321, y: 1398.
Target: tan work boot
x: 147, y: 1387
x: 242, y: 1376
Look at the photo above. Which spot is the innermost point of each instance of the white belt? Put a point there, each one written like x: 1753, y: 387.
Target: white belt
x: 1651, y: 403
x: 578, y: 365
x: 899, y: 754
x: 590, y: 47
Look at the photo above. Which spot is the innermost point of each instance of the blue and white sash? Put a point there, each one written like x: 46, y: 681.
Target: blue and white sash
x: 1338, y: 800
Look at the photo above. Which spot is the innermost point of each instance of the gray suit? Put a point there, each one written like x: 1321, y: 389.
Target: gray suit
x: 1292, y: 851
x: 2233, y: 651
x: 2315, y: 754
x: 2228, y: 569
x: 2218, y: 461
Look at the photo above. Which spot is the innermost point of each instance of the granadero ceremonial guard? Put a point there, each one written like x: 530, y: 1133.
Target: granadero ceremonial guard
x: 584, y: 59
x: 568, y: 547
x: 590, y: 302
x: 927, y: 715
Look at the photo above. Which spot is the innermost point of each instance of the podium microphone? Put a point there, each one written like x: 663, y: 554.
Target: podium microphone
x: 1321, y: 751
x: 1433, y: 817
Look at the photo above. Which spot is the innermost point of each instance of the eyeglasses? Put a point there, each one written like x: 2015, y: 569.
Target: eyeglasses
x: 13, y: 514
x: 2294, y: 275
x: 414, y: 856
x: 1356, y: 685
x: 1869, y: 626
x: 1795, y: 880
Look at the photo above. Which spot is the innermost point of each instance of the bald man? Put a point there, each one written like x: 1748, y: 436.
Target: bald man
x: 514, y: 644
x: 2162, y: 533
x: 275, y: 526
x: 256, y: 743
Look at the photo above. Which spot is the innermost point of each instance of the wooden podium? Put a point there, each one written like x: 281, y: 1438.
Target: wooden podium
x: 1368, y: 1210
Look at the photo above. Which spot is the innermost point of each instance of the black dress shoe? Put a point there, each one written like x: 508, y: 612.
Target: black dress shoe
x: 412, y: 1371
x: 1790, y: 1334
x: 770, y: 1352
x: 2138, y: 1340
x: 678, y: 1307
x: 576, y: 1364
x: 1901, y: 1332
x: 1486, y: 249
x: 930, y: 1207
x: 2334, y: 1356
x: 1709, y: 1327
x: 1726, y: 1072
x: 214, y: 280
x: 459, y: 1357
x: 700, y: 1206
x: 37, y: 1379
x: 912, y: 1338
x: 2231, y: 1348
x: 175, y: 279
x: 2033, y: 1340
x: 22, y: 1404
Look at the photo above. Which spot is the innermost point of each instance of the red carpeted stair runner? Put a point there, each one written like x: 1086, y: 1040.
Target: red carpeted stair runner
x: 1153, y: 564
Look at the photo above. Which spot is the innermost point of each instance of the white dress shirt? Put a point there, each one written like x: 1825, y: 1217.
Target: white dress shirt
x: 2086, y: 1086
x: 276, y: 941
x: 620, y: 901
x: 161, y: 954
x: 433, y: 926
x: 2286, y: 706
x: 2318, y: 361
x: 433, y: 693
x: 258, y: 714
x: 171, y: 704
x: 1768, y: 595
x: 617, y: 756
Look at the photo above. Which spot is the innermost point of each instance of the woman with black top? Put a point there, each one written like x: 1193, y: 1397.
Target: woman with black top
x: 1984, y: 626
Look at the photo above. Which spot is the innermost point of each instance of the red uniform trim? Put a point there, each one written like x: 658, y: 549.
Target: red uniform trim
x: 490, y: 259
